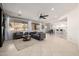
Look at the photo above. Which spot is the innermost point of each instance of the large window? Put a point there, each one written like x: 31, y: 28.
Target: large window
x: 15, y: 26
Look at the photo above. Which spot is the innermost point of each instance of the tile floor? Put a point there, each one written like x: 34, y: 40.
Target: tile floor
x: 51, y: 46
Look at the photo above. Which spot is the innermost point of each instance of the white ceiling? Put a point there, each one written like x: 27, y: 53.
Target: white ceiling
x: 32, y: 11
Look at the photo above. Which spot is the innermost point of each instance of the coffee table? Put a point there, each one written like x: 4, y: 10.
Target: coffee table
x: 26, y: 37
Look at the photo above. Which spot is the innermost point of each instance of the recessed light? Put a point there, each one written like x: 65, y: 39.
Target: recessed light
x: 19, y: 12
x: 52, y: 9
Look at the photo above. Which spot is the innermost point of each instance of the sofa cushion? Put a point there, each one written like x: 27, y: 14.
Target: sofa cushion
x: 17, y: 35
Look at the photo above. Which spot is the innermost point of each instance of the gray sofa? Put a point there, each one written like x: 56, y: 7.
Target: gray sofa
x: 38, y: 35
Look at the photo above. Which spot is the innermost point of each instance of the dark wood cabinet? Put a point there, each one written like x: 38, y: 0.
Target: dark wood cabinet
x: 1, y: 33
x: 2, y: 27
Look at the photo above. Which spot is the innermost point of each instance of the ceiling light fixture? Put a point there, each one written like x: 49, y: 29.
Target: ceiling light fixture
x: 52, y: 9
x: 19, y: 13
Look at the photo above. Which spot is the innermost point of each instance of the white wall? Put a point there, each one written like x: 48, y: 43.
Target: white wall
x: 8, y: 32
x: 73, y: 25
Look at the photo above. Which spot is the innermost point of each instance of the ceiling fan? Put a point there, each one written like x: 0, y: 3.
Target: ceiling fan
x: 43, y: 16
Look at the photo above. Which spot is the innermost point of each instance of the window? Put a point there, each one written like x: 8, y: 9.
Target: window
x: 18, y: 26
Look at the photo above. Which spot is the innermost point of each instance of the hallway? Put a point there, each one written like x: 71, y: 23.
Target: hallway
x: 51, y: 46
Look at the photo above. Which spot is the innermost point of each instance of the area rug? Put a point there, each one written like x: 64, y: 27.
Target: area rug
x: 20, y: 44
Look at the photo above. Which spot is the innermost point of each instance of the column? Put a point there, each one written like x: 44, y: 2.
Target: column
x: 40, y: 27
x: 7, y: 28
x: 45, y: 28
x: 29, y: 26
